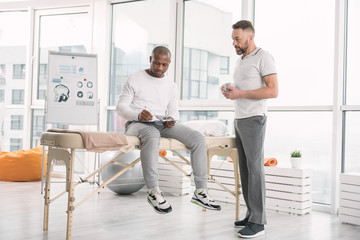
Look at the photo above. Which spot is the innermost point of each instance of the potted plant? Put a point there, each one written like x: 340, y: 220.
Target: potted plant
x: 296, y: 159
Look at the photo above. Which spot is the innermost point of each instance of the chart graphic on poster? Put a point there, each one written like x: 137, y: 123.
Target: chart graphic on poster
x: 72, y: 88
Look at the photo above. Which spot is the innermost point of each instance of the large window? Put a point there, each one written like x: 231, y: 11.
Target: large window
x: 208, y: 54
x: 137, y: 27
x: 353, y: 39
x: 309, y: 132
x: 65, y: 30
x: 352, y: 99
x: 304, y: 60
x: 302, y: 44
x: 14, y: 38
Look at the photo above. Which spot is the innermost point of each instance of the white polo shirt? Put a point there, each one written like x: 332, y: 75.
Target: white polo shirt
x: 248, y: 75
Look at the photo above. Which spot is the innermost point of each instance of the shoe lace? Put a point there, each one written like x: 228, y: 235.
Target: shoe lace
x: 159, y: 197
x: 204, y: 193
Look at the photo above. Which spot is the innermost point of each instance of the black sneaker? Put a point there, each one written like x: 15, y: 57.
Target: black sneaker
x: 157, y: 201
x: 241, y: 223
x: 202, y: 198
x: 252, y: 230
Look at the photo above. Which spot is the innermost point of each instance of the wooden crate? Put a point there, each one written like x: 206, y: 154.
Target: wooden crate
x: 349, y: 202
x: 287, y: 189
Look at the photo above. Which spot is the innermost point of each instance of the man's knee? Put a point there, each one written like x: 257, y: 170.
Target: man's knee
x: 149, y: 134
x: 197, y: 139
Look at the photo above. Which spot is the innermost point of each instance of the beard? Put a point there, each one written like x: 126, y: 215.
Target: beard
x: 242, y: 50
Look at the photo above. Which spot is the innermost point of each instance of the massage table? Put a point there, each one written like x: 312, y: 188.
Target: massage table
x: 62, y: 146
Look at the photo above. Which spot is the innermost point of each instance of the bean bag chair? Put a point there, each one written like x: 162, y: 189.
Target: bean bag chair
x: 22, y: 165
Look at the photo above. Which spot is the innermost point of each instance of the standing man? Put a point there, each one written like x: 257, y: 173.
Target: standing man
x: 147, y: 98
x: 255, y: 81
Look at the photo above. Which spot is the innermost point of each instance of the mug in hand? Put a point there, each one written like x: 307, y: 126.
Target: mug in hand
x: 228, y: 85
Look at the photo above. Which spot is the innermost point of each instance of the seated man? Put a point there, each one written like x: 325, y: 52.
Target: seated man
x: 147, y: 97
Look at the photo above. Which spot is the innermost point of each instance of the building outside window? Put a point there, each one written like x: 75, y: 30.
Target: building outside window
x: 19, y: 71
x: 15, y: 144
x: 224, y: 65
x: 17, y: 122
x: 2, y: 74
x: 17, y: 96
x: 43, y: 73
x: 301, y: 79
x: 2, y: 95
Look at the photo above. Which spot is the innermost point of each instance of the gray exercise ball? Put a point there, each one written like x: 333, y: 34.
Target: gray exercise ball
x: 129, y: 182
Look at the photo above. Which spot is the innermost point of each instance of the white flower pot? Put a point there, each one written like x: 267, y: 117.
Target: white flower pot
x: 296, y: 162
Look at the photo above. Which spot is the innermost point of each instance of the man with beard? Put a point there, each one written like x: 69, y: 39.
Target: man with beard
x: 148, y: 98
x: 255, y: 80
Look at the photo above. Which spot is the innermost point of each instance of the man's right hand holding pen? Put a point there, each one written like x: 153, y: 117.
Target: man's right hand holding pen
x: 145, y: 116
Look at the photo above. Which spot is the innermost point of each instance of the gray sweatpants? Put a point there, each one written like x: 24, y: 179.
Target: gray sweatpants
x: 250, y: 135
x: 150, y: 134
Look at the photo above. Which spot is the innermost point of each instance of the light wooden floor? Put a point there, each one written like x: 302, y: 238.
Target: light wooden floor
x: 111, y: 216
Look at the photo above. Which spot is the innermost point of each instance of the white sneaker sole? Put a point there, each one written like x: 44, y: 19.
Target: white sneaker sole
x: 204, y: 205
x: 252, y: 236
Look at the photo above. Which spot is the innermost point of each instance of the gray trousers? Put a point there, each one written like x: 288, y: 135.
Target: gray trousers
x: 150, y: 134
x: 250, y: 135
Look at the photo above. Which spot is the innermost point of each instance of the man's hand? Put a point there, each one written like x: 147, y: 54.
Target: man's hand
x: 145, y: 116
x: 231, y: 93
x: 169, y: 124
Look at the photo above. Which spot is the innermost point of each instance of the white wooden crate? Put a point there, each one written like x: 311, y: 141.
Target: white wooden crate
x: 288, y: 189
x: 349, y: 202
x: 171, y: 180
x: 223, y: 172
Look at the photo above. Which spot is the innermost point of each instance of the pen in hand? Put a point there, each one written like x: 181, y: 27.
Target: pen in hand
x: 146, y: 116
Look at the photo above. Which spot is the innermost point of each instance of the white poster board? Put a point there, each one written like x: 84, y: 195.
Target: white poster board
x: 72, y: 89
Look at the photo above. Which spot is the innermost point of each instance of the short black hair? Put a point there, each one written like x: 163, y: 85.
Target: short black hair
x: 161, y: 50
x: 244, y: 25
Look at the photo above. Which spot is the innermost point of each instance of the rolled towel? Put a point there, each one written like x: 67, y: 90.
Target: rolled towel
x: 270, y: 162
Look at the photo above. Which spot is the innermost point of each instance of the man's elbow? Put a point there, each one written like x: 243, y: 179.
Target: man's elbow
x: 274, y: 93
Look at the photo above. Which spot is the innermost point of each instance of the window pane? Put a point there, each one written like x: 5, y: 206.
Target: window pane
x: 17, y: 122
x: 353, y: 83
x: 304, y: 57
x: 2, y: 95
x: 19, y: 71
x: 352, y: 142
x: 37, y: 126
x: 15, y: 144
x: 137, y: 28
x: 17, y: 96
x: 209, y: 47
x: 63, y: 33
x: 310, y: 132
x: 13, y: 128
x: 14, y: 38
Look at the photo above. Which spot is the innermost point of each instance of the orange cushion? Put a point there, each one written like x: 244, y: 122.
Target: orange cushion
x: 22, y: 165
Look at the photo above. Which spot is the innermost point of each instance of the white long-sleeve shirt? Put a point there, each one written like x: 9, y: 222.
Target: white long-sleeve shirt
x: 141, y: 91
